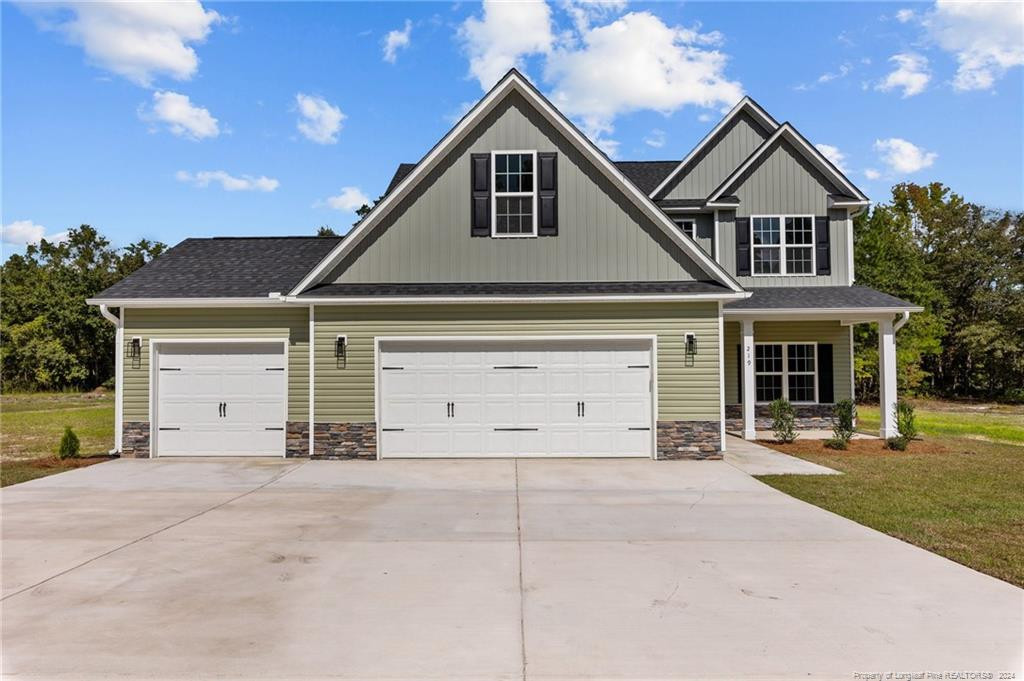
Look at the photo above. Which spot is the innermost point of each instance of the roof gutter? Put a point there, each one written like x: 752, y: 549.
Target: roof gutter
x: 463, y: 300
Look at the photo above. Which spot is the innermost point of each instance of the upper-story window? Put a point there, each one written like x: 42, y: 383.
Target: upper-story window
x: 687, y: 226
x: 782, y: 244
x: 515, y: 198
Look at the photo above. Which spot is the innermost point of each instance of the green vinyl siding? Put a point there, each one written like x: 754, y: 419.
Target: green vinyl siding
x: 602, y: 235
x: 251, y: 322
x: 791, y: 332
x: 718, y: 159
x: 687, y: 387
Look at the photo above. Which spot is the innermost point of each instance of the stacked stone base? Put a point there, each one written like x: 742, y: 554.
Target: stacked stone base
x: 345, y: 440
x: 296, y: 439
x: 808, y: 417
x: 135, y: 440
x: 689, y: 440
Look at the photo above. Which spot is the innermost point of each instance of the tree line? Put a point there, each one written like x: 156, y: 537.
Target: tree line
x: 963, y: 263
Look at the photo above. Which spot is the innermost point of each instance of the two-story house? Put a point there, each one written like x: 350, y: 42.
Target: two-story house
x: 515, y: 293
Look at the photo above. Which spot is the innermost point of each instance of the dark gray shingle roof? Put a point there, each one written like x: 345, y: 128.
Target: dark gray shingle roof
x: 225, y: 267
x: 819, y: 297
x: 644, y: 174
x: 470, y: 289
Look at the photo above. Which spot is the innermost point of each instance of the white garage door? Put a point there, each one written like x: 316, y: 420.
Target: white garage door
x: 220, y: 399
x: 528, y: 398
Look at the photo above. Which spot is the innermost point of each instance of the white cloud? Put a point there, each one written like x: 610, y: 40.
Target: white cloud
x: 911, y: 74
x: 507, y: 32
x: 181, y: 116
x: 637, y: 62
x: 348, y: 200
x: 395, y: 41
x: 656, y: 139
x: 25, y: 232
x: 903, y: 157
x: 833, y: 154
x: 872, y: 174
x: 229, y: 183
x: 137, y: 40
x: 705, y: 118
x: 843, y: 70
x: 985, y: 38
x: 319, y: 120
x: 585, y: 12
x: 904, y: 15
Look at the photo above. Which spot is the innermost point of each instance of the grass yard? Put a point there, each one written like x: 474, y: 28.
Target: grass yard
x: 958, y: 492
x: 31, y: 426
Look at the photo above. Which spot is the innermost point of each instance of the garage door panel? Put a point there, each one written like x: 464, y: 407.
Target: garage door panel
x: 522, y: 398
x: 221, y: 399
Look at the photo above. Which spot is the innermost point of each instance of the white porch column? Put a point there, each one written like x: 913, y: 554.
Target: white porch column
x: 749, y: 432
x: 887, y: 377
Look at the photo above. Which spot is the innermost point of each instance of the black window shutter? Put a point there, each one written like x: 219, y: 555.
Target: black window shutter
x: 823, y: 252
x: 547, y: 193
x: 743, y: 247
x: 480, y: 181
x: 739, y: 373
x: 826, y: 390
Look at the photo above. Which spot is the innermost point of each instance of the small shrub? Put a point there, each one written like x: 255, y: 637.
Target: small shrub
x: 69, y: 444
x: 843, y: 415
x: 898, y: 444
x: 906, y: 423
x: 836, y: 443
x: 783, y: 420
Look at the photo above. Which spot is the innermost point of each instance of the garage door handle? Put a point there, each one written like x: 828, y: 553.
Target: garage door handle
x: 275, y: 368
x: 639, y: 428
x: 169, y: 369
x: 393, y: 430
x: 168, y: 428
x: 518, y: 429
x: 639, y: 366
x: 273, y: 428
x: 579, y: 409
x: 584, y: 411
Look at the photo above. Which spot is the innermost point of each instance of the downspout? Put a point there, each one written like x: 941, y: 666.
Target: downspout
x: 118, y: 323
x: 901, y: 322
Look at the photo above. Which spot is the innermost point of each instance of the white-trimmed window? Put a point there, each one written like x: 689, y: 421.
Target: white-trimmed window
x: 687, y: 226
x: 787, y: 370
x: 515, y: 195
x: 782, y: 244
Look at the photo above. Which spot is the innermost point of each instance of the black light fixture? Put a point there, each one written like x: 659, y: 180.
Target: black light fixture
x: 134, y: 348
x: 691, y: 344
x: 340, y: 346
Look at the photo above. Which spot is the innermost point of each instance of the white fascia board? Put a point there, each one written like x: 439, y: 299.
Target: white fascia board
x: 514, y: 81
x: 186, y: 302
x: 809, y: 152
x: 454, y: 300
x: 744, y: 104
x: 685, y: 209
x: 846, y: 313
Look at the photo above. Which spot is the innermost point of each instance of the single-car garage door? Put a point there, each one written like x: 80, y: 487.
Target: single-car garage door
x: 530, y: 398
x: 220, y: 399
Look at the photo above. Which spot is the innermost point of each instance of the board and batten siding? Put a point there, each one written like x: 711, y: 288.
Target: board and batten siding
x: 602, y: 236
x: 253, y: 322
x: 791, y: 332
x: 687, y: 387
x: 720, y: 158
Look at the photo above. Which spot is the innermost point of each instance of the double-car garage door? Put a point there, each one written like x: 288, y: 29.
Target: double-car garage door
x: 534, y: 398
x: 435, y: 398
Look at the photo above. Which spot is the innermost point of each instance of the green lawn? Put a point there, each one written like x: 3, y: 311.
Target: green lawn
x: 31, y: 426
x: 954, y: 493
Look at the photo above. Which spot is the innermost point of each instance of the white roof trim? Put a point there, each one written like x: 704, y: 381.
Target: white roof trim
x: 810, y: 153
x: 186, y: 302
x: 819, y: 312
x: 513, y: 80
x: 582, y: 298
x: 744, y: 104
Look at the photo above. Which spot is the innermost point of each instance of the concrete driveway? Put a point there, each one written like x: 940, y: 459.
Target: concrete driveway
x: 474, y: 570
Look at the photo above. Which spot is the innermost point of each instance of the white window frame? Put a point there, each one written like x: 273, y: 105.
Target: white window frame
x: 785, y: 373
x: 495, y: 194
x: 782, y: 246
x: 682, y: 224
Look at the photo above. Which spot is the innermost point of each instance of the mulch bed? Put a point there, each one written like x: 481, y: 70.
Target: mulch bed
x: 855, y: 448
x: 56, y: 463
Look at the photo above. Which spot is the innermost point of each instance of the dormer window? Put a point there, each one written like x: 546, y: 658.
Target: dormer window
x: 687, y: 226
x: 515, y: 196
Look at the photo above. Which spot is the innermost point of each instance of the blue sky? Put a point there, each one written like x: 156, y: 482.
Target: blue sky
x: 170, y: 121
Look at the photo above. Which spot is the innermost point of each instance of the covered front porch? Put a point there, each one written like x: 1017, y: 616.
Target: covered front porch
x: 798, y: 344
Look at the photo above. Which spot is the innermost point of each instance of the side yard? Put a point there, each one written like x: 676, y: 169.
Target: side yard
x: 956, y: 492
x: 31, y: 426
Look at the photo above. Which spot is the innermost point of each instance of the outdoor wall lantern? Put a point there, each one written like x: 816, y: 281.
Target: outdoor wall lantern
x: 691, y: 344
x: 134, y: 349
x: 340, y: 350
